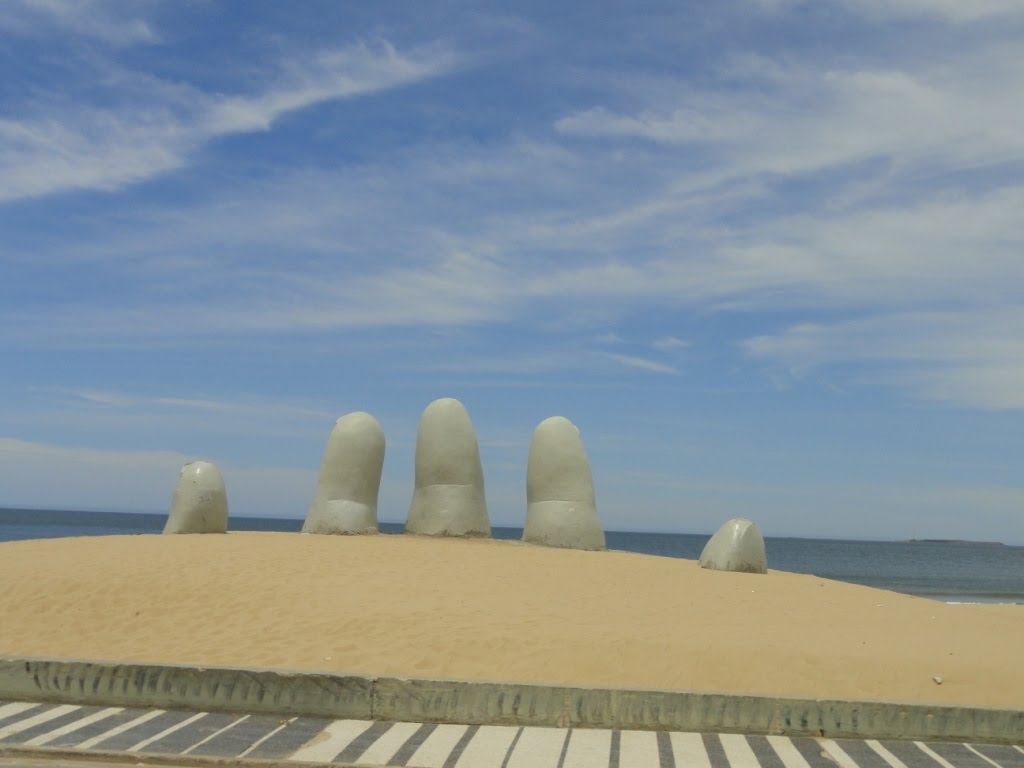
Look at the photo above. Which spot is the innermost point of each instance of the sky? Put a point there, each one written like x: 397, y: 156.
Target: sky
x: 767, y: 255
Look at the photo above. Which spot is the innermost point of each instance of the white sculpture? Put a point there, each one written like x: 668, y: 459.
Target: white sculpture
x: 349, y: 480
x: 199, y: 503
x: 736, y: 546
x: 560, y: 506
x: 449, y: 496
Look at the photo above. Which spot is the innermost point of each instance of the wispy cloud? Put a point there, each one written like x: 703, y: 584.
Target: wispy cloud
x: 864, y: 186
x: 641, y: 363
x: 343, y: 73
x: 111, y: 22
x: 239, y: 405
x: 945, y: 10
x: 870, y: 260
x: 794, y: 119
x: 949, y: 10
x: 669, y: 342
x: 970, y: 358
x: 88, y: 146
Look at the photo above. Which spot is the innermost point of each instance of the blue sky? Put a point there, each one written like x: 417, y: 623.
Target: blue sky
x: 768, y: 255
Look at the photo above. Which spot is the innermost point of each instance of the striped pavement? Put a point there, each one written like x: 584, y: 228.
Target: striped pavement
x: 430, y: 745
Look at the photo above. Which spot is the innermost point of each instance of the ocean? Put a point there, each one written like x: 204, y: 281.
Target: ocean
x: 950, y: 571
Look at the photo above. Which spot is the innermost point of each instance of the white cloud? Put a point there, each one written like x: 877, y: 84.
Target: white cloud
x: 85, y: 146
x: 948, y: 10
x: 800, y: 118
x: 105, y: 20
x: 641, y: 363
x: 237, y: 405
x: 678, y: 204
x: 329, y: 75
x: 516, y: 365
x: 867, y: 262
x: 669, y: 342
x: 94, y: 149
x: 970, y: 358
x: 952, y: 11
x: 882, y: 255
x: 456, y: 289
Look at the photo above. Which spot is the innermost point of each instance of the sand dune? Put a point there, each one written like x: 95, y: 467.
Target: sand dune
x: 472, y: 609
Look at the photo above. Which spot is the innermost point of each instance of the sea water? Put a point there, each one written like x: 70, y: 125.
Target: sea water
x: 940, y: 570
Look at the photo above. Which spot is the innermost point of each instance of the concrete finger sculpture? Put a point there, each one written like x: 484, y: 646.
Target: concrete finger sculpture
x: 200, y: 502
x: 449, y: 496
x: 560, y: 506
x: 349, y: 480
x: 736, y: 546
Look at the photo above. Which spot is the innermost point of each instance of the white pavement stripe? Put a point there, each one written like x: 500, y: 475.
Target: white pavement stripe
x: 885, y: 754
x: 217, y: 733
x: 1019, y: 749
x: 589, y: 749
x: 738, y: 751
x: 638, y: 748
x: 31, y: 722
x: 837, y: 753
x: 489, y: 747
x: 384, y: 748
x: 439, y: 744
x: 120, y: 729
x: 7, y: 710
x: 46, y: 738
x: 326, y: 745
x: 538, y: 748
x: 934, y: 755
x: 166, y: 732
x: 261, y: 739
x: 689, y: 750
x: 787, y: 752
x: 987, y: 759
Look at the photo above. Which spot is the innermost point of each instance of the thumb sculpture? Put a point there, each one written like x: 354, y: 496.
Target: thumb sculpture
x: 736, y: 546
x: 349, y: 480
x: 560, y: 506
x: 449, y: 496
x: 199, y: 503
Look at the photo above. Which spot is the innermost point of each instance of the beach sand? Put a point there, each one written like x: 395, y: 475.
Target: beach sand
x: 481, y: 609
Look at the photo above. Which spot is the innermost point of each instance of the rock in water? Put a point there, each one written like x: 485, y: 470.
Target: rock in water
x: 736, y: 546
x: 349, y: 481
x: 200, y: 503
x: 560, y: 506
x: 449, y: 495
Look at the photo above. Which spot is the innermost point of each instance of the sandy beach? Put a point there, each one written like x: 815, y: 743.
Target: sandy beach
x: 481, y: 609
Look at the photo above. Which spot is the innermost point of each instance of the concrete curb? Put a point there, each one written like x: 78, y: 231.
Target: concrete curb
x: 327, y: 694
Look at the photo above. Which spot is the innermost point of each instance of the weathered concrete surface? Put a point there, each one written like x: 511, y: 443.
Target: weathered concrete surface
x: 349, y: 480
x: 200, y: 501
x: 560, y: 507
x: 483, y: 702
x: 449, y: 496
x: 210, y: 688
x: 736, y: 546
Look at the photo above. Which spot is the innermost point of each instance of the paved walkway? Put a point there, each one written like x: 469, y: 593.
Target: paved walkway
x: 379, y: 743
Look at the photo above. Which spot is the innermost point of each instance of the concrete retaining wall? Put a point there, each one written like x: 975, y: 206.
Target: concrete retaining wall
x: 335, y: 695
